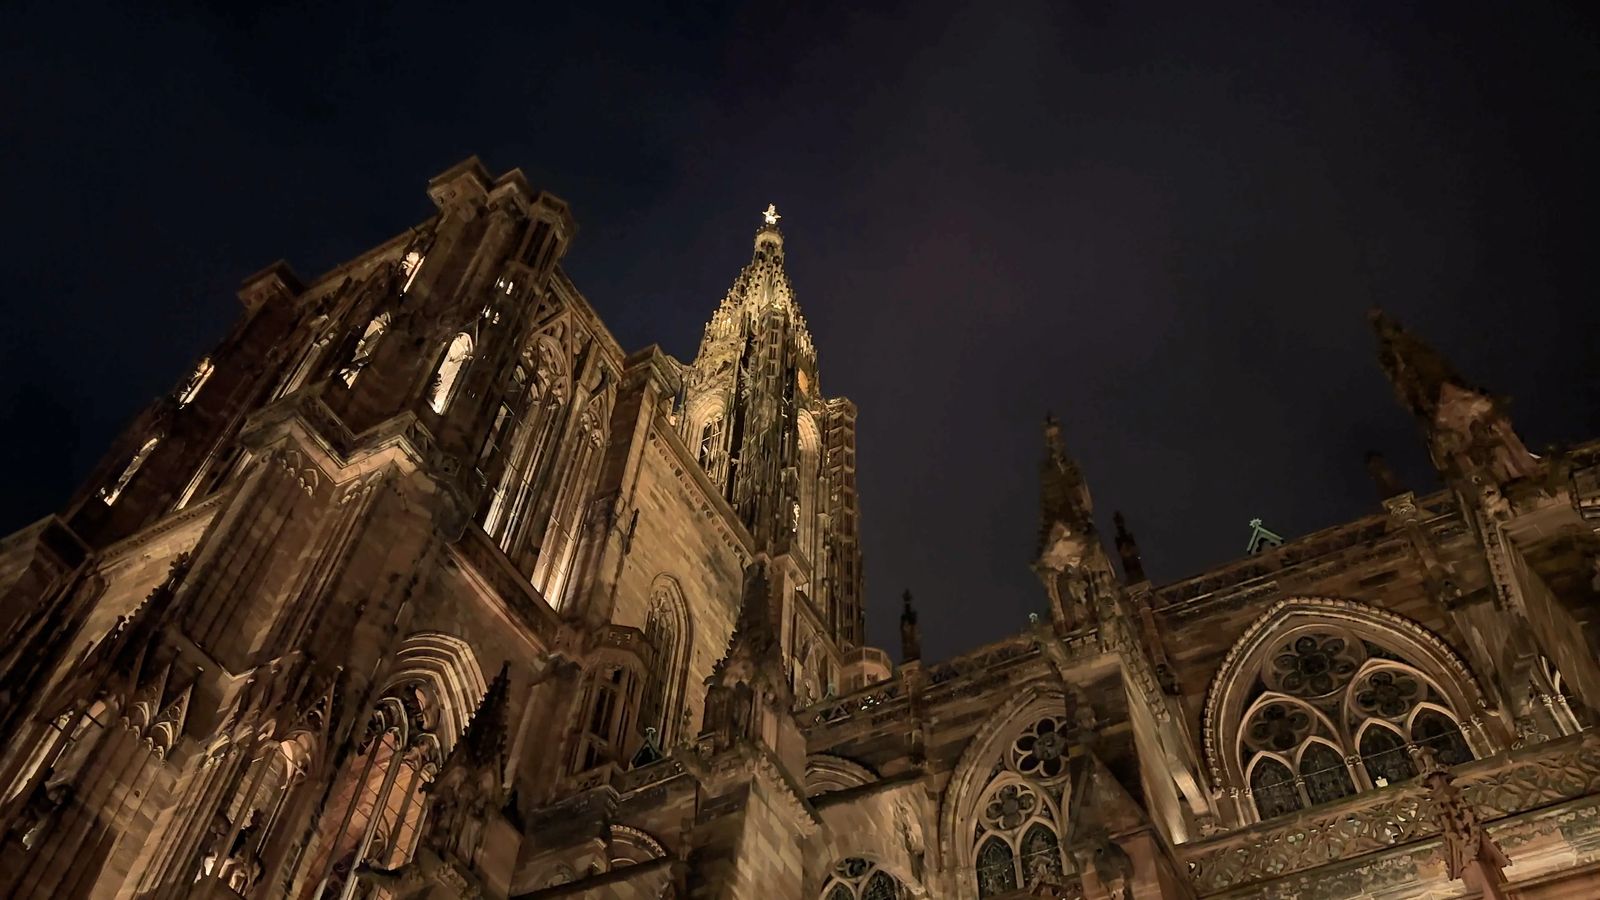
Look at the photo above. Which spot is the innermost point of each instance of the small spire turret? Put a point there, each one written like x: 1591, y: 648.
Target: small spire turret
x: 910, y: 634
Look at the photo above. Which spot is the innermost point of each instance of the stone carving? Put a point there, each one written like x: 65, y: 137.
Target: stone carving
x: 1549, y: 773
x: 1469, y: 854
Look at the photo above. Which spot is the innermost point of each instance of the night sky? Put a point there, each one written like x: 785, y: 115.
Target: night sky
x: 1165, y: 222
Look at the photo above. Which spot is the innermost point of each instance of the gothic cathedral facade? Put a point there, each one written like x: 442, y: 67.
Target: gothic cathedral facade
x: 419, y: 586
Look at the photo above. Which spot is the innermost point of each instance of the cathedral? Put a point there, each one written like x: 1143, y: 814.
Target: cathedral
x: 419, y: 585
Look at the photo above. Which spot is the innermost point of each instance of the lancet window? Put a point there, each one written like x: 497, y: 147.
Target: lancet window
x: 712, y: 453
x: 445, y: 380
x: 666, y: 635
x: 1016, y: 838
x: 410, y: 264
x: 375, y: 815
x: 532, y: 440
x: 110, y: 494
x: 611, y: 696
x: 196, y: 380
x: 370, y: 336
x: 856, y: 878
x: 1332, y: 713
x: 554, y: 567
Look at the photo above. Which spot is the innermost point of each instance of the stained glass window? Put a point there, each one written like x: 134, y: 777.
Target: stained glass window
x: 1324, y: 773
x: 997, y: 871
x: 1385, y: 756
x: 1437, y: 731
x: 1041, y: 853
x: 881, y: 886
x: 1272, y: 784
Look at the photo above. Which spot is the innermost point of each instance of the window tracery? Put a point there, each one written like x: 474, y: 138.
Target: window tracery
x: 855, y: 878
x: 376, y: 814
x: 1017, y: 833
x: 666, y: 634
x: 441, y: 390
x: 711, y: 453
x: 1332, y: 714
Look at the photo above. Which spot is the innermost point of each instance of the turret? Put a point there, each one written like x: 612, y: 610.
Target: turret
x: 1470, y: 437
x: 1071, y: 562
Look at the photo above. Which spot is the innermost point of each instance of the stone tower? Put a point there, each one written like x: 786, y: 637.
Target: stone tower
x: 781, y: 453
x: 243, y: 661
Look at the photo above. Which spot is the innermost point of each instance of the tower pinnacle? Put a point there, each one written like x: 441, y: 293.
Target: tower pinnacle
x: 771, y: 214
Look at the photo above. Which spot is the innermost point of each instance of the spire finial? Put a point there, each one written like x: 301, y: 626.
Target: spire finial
x: 771, y: 214
x: 910, y: 634
x: 1128, y: 549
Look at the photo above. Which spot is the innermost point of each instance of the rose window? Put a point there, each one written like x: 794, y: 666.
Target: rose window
x: 1388, y: 693
x: 1278, y: 727
x: 1314, y: 665
x: 1041, y: 750
x: 1010, y: 807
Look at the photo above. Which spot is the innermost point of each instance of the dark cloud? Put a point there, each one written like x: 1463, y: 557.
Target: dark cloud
x: 1163, y: 221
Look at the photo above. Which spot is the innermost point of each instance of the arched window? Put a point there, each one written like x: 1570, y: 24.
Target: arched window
x: 363, y: 356
x: 534, y: 435
x: 997, y: 868
x: 197, y: 380
x: 611, y: 695
x: 410, y: 264
x: 713, y: 454
x: 855, y: 878
x: 1016, y: 834
x: 553, y: 570
x: 1333, y: 711
x: 110, y: 494
x: 375, y: 813
x: 443, y: 387
x: 666, y: 630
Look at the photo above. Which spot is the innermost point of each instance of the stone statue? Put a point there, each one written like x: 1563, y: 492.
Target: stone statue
x: 1469, y: 854
x: 910, y: 828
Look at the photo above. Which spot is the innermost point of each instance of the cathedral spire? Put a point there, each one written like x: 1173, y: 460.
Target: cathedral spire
x: 1417, y: 371
x: 1064, y: 495
x: 1470, y: 437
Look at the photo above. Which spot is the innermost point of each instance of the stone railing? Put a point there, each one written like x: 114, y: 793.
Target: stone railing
x: 879, y: 698
x: 1387, y: 818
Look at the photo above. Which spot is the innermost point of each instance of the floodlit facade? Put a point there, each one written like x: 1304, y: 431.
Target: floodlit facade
x: 418, y: 585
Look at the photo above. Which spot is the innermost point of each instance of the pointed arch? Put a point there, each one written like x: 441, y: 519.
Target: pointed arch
x: 973, y: 781
x: 669, y: 635
x: 374, y: 331
x: 826, y: 772
x: 447, y: 376
x: 1314, y: 670
x: 449, y: 668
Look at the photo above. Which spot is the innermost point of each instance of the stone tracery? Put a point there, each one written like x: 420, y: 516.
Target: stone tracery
x: 1334, y: 705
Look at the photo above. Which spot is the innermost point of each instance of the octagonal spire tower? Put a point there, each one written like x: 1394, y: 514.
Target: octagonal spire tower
x: 775, y: 448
